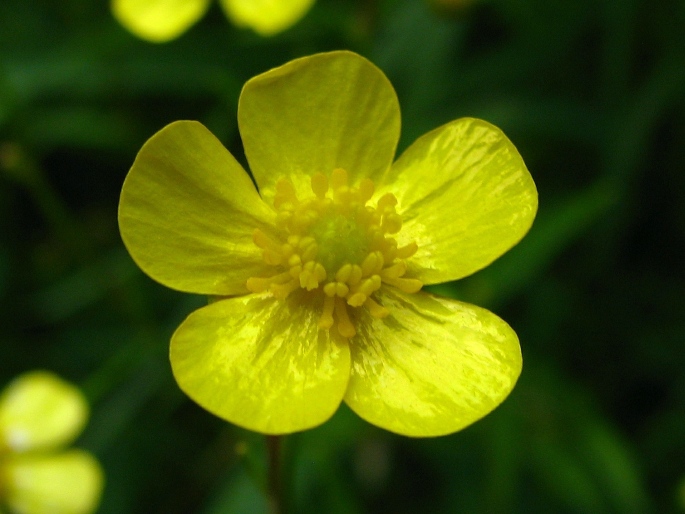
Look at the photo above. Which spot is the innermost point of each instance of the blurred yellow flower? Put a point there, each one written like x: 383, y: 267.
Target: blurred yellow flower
x: 318, y: 272
x: 39, y: 415
x: 163, y: 20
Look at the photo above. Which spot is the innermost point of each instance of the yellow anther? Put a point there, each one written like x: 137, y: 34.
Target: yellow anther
x: 287, y: 250
x: 285, y: 193
x: 319, y: 272
x: 336, y: 289
x: 309, y: 253
x: 345, y: 326
x: 320, y: 185
x: 370, y: 285
x: 294, y: 260
x: 407, y: 285
x: 376, y: 309
x: 263, y: 241
x: 392, y: 223
x: 258, y: 284
x: 395, y: 271
x: 355, y: 275
x: 344, y: 273
x: 329, y: 289
x: 306, y: 241
x: 387, y: 200
x: 281, y: 291
x: 366, y: 190
x: 326, y: 319
x: 372, y: 264
x: 357, y: 299
x: 338, y: 178
x: 272, y: 258
x: 407, y: 251
x: 308, y: 280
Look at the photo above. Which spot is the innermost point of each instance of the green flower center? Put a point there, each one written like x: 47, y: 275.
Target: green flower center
x: 335, y: 243
x: 340, y: 240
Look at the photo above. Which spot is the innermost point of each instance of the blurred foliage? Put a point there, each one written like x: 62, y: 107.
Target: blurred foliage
x: 593, y: 95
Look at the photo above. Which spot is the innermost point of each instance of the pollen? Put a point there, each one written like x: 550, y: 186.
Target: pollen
x: 335, y: 244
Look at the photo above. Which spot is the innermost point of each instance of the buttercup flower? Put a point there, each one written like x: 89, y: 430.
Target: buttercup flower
x: 318, y: 272
x: 39, y: 415
x: 163, y: 20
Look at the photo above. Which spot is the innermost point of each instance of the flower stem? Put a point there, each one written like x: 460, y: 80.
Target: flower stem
x: 274, y: 483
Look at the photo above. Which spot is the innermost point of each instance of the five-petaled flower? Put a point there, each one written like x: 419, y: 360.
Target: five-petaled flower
x: 40, y: 414
x: 318, y: 272
x: 163, y: 20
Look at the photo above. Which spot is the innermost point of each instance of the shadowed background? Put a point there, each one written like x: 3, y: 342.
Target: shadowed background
x: 593, y: 95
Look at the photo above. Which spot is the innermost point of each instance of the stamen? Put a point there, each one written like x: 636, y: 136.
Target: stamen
x: 387, y: 200
x: 406, y: 285
x: 345, y: 326
x: 320, y: 185
x: 258, y: 284
x: 344, y: 273
x: 285, y: 193
x: 281, y: 291
x: 372, y: 264
x: 335, y: 228
x: 326, y: 319
x: 394, y: 271
x: 338, y: 178
x: 366, y: 189
x: 407, y: 251
x: 376, y: 309
x: 392, y: 223
x: 263, y: 241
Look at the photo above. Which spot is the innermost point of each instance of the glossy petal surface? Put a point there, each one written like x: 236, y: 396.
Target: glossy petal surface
x: 261, y: 363
x: 465, y: 197
x: 158, y: 20
x: 433, y: 366
x: 39, y: 410
x: 315, y: 114
x: 65, y: 483
x: 266, y: 17
x: 188, y: 210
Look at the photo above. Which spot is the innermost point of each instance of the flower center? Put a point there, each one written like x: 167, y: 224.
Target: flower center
x: 333, y: 242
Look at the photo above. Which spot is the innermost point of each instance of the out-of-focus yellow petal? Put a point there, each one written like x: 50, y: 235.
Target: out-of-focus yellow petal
x: 159, y: 20
x: 39, y: 410
x: 465, y: 197
x: 188, y: 211
x: 64, y: 483
x: 266, y: 17
x: 433, y: 366
x: 315, y: 114
x: 261, y: 363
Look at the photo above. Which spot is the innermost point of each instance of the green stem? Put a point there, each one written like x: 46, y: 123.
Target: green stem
x: 274, y: 483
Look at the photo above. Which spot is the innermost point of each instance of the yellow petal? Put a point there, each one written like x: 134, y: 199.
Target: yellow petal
x: 266, y: 17
x: 261, y: 363
x: 433, y: 366
x: 188, y: 211
x: 465, y: 197
x: 39, y: 410
x: 316, y: 114
x: 65, y: 483
x: 158, y: 20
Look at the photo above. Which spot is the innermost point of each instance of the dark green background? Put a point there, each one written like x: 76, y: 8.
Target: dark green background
x: 592, y: 92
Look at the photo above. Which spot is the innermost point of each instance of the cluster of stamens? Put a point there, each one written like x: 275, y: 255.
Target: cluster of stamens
x: 335, y: 242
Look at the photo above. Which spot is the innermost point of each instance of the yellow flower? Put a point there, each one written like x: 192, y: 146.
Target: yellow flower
x: 163, y: 20
x: 318, y: 272
x: 40, y: 414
